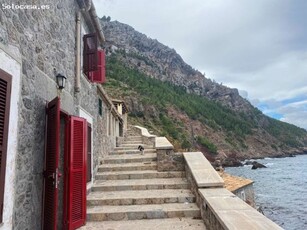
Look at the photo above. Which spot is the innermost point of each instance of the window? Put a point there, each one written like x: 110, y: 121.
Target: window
x: 5, y: 95
x: 100, y: 106
x: 93, y: 59
x: 90, y: 57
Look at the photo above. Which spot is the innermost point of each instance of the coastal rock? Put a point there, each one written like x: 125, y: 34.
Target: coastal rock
x: 257, y: 165
x: 249, y: 162
x: 231, y: 162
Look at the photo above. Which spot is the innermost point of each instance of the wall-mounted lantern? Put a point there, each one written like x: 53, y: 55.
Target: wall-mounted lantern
x: 61, y: 81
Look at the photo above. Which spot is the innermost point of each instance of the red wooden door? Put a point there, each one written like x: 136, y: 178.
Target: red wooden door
x: 76, y: 173
x: 51, y: 165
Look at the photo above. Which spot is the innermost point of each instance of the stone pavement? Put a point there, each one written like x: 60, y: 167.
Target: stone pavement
x: 155, y: 224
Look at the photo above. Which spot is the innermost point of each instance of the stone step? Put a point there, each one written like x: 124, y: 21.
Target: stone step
x: 117, y: 159
x: 137, y: 212
x: 135, y: 145
x: 127, y: 167
x: 140, y: 184
x: 153, y: 224
x: 136, y: 142
x: 140, y: 197
x: 133, y: 138
x: 125, y: 151
x: 132, y: 146
x: 147, y: 174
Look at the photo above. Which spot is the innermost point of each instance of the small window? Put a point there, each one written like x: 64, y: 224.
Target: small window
x: 100, y: 106
x: 90, y: 54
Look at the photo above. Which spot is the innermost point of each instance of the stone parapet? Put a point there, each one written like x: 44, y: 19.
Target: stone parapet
x: 221, y: 209
x: 202, y: 171
x: 168, y: 160
x: 147, y: 138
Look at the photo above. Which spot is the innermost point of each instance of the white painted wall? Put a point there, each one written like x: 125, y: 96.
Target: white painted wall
x: 84, y: 114
x: 11, y: 63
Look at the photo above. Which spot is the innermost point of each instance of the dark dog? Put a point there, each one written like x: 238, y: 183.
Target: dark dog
x: 141, y: 148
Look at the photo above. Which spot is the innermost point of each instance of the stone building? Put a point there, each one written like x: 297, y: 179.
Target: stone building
x: 49, y: 133
x: 122, y: 109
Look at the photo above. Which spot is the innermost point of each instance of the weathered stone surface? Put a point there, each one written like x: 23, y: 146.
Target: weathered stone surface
x: 46, y: 41
x: 202, y: 171
x: 223, y: 210
x: 168, y: 160
x: 161, y: 224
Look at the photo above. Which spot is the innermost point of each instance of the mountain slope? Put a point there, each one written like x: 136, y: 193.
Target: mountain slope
x: 170, y: 97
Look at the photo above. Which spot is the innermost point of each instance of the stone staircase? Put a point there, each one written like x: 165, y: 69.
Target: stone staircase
x: 129, y: 193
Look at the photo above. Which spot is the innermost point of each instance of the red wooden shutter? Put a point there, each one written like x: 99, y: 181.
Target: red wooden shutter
x: 99, y: 76
x: 89, y: 154
x: 90, y: 58
x: 51, y: 165
x: 77, y: 172
x: 5, y: 96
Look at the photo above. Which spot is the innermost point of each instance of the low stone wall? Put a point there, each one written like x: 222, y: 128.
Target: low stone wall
x: 246, y: 194
x: 147, y: 138
x: 167, y: 159
x: 196, y: 162
x: 220, y: 209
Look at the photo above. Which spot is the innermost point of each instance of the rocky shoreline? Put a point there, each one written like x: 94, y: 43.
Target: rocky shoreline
x: 238, y: 162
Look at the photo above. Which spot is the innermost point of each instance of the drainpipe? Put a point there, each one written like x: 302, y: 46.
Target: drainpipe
x: 78, y: 53
x: 96, y: 22
x: 88, y: 6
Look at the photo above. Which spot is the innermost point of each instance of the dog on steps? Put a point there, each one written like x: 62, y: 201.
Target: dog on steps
x: 141, y: 148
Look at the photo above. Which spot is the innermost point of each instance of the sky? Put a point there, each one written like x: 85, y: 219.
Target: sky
x: 256, y: 46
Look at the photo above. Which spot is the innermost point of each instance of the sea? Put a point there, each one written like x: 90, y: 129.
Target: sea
x: 280, y: 189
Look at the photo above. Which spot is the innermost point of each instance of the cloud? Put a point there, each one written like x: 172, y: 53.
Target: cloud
x: 258, y: 46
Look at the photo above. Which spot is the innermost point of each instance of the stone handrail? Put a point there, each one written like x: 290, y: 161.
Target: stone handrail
x: 147, y: 138
x: 163, y: 143
x: 144, y: 132
x: 220, y: 209
x: 202, y: 171
x: 167, y: 158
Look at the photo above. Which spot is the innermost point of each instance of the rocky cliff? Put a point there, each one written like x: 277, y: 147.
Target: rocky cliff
x: 255, y: 135
x: 163, y: 63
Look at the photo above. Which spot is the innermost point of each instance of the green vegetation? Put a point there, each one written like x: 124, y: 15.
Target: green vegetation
x: 207, y: 144
x: 162, y: 95
x: 289, y: 134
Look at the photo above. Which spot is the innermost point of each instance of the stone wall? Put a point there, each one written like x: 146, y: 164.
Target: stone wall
x: 10, y: 62
x: 46, y: 42
x: 246, y: 194
x: 168, y: 160
x: 45, y: 39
